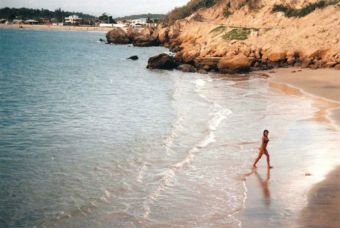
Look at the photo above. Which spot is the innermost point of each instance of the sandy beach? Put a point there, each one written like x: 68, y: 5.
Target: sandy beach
x: 55, y: 27
x: 322, y: 85
x: 323, y: 207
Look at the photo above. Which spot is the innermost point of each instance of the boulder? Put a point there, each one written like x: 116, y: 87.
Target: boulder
x: 162, y: 61
x: 186, y: 68
x: 117, y: 36
x: 134, y: 57
x: 202, y: 71
x: 207, y: 63
x: 276, y: 56
x: 144, y: 41
x: 131, y: 33
x: 234, y: 64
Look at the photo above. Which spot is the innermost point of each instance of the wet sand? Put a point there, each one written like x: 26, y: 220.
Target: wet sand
x: 55, y: 27
x: 323, y: 207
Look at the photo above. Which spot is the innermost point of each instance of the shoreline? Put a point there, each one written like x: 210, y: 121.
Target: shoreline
x: 322, y: 86
x: 55, y: 28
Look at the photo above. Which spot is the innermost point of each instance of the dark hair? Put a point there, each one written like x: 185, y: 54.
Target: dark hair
x: 265, y: 131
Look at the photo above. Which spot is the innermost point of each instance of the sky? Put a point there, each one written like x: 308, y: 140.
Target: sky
x: 97, y: 7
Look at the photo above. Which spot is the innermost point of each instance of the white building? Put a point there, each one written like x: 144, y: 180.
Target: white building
x: 73, y: 19
x: 31, y: 22
x: 140, y: 21
x: 105, y: 25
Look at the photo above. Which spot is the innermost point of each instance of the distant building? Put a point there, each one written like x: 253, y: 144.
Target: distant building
x: 57, y: 24
x: 17, y: 21
x: 105, y: 25
x: 31, y: 22
x: 140, y: 21
x: 73, y: 20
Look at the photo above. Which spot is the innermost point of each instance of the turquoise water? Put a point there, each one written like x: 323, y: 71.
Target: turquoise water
x: 69, y: 104
x: 91, y: 139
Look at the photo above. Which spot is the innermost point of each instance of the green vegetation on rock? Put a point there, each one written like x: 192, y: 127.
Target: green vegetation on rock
x: 237, y: 34
x: 218, y: 29
x: 291, y: 12
x: 226, y: 12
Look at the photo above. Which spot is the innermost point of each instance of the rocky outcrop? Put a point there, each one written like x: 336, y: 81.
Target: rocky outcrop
x: 235, y: 36
x: 117, y: 36
x: 162, y: 61
x: 145, y: 41
x: 138, y: 37
x: 186, y: 68
x: 239, y: 35
x: 207, y: 63
x: 235, y: 64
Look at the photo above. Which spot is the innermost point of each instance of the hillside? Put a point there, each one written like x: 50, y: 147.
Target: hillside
x: 258, y: 34
x: 26, y: 13
x: 137, y: 16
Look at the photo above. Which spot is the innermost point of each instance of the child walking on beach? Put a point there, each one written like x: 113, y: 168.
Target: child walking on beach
x: 263, y: 150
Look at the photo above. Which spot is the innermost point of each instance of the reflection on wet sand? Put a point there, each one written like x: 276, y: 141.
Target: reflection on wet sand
x: 264, y: 184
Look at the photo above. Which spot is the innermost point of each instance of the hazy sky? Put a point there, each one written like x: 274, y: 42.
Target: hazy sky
x: 96, y: 7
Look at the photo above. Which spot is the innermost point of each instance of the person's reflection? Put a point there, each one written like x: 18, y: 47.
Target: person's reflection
x: 264, y: 183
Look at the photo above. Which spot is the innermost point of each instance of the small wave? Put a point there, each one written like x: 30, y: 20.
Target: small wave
x: 218, y: 116
x: 199, y: 83
x: 141, y: 173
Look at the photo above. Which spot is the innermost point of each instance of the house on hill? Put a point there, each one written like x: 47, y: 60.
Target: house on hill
x: 72, y: 20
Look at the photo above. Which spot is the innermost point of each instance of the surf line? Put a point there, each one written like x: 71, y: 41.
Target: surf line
x: 219, y: 115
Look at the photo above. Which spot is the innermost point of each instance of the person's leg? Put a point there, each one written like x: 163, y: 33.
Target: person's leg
x: 268, y: 159
x: 258, y: 158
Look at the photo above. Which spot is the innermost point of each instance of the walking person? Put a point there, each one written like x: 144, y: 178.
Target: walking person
x: 263, y: 150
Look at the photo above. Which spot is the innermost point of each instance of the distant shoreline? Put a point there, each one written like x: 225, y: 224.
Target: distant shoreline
x: 56, y: 27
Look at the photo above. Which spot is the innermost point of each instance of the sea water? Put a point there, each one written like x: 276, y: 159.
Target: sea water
x: 91, y: 139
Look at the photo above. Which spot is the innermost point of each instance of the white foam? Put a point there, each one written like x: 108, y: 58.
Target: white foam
x: 218, y: 114
x: 199, y: 83
x: 207, y: 140
x: 168, y: 175
x: 141, y: 173
x: 218, y: 117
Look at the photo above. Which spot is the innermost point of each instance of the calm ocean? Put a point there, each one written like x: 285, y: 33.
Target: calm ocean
x: 91, y: 139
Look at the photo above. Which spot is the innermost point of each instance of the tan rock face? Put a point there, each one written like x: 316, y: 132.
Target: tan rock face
x: 238, y: 63
x: 261, y: 38
x: 277, y: 56
x: 163, y: 35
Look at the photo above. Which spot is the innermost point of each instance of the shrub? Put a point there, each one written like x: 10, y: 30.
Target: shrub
x: 218, y: 29
x: 226, y: 12
x: 291, y: 12
x: 185, y: 11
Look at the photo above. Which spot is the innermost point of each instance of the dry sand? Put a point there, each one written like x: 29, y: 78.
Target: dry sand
x: 56, y: 27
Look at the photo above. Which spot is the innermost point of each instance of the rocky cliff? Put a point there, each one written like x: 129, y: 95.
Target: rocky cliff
x: 242, y: 35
